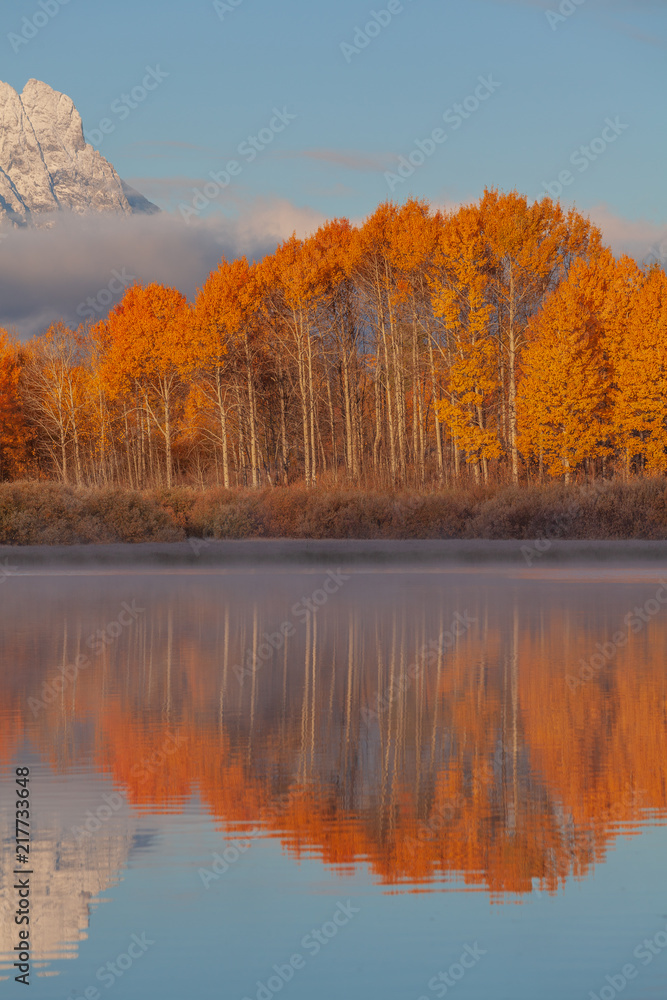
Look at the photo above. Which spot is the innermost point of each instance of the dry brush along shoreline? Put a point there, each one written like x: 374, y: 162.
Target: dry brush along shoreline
x: 45, y: 513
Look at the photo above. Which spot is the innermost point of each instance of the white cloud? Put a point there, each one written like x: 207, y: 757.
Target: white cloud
x: 634, y: 237
x: 50, y: 274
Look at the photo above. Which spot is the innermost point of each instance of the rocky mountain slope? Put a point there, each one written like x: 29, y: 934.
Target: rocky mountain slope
x: 45, y: 164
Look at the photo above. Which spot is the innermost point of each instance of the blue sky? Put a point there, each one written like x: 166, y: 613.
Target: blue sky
x: 228, y: 68
x: 557, y: 79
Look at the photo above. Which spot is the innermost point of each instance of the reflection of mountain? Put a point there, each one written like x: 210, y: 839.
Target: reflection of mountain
x: 68, y: 877
x: 486, y: 767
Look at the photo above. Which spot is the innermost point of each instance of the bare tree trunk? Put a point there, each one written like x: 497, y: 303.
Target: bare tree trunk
x: 252, y: 420
x: 283, y: 432
x: 332, y: 424
x: 390, y: 415
x: 378, y: 421
x: 311, y: 408
x: 167, y: 436
x: 222, y: 410
x: 63, y: 449
x: 127, y: 448
x: 347, y: 407
x: 511, y: 346
x: 438, y: 437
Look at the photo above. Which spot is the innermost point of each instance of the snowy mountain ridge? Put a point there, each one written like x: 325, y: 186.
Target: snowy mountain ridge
x: 46, y: 165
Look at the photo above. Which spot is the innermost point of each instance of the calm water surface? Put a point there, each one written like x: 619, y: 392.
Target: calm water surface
x: 403, y: 785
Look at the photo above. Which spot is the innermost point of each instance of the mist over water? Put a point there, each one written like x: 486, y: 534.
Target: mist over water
x: 222, y: 757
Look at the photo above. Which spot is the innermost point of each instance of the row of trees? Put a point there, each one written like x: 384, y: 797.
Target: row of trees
x: 496, y: 341
x: 489, y: 766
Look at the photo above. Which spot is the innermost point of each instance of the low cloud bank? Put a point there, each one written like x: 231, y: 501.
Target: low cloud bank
x: 645, y: 241
x: 79, y: 267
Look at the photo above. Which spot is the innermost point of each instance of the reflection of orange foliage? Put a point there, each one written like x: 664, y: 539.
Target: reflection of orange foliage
x: 12, y: 730
x: 490, y: 770
x: 621, y: 711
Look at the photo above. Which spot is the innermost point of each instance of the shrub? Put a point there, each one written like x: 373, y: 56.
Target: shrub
x: 33, y: 513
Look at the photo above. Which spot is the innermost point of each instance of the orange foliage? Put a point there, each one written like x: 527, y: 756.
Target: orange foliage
x: 15, y: 433
x: 420, y: 347
x: 147, y: 341
x: 563, y: 397
x: 640, y: 377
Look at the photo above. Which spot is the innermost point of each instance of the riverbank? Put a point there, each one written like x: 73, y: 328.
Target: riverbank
x: 34, y: 513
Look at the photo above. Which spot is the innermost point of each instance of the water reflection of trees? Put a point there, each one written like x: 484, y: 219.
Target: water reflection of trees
x: 486, y: 768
